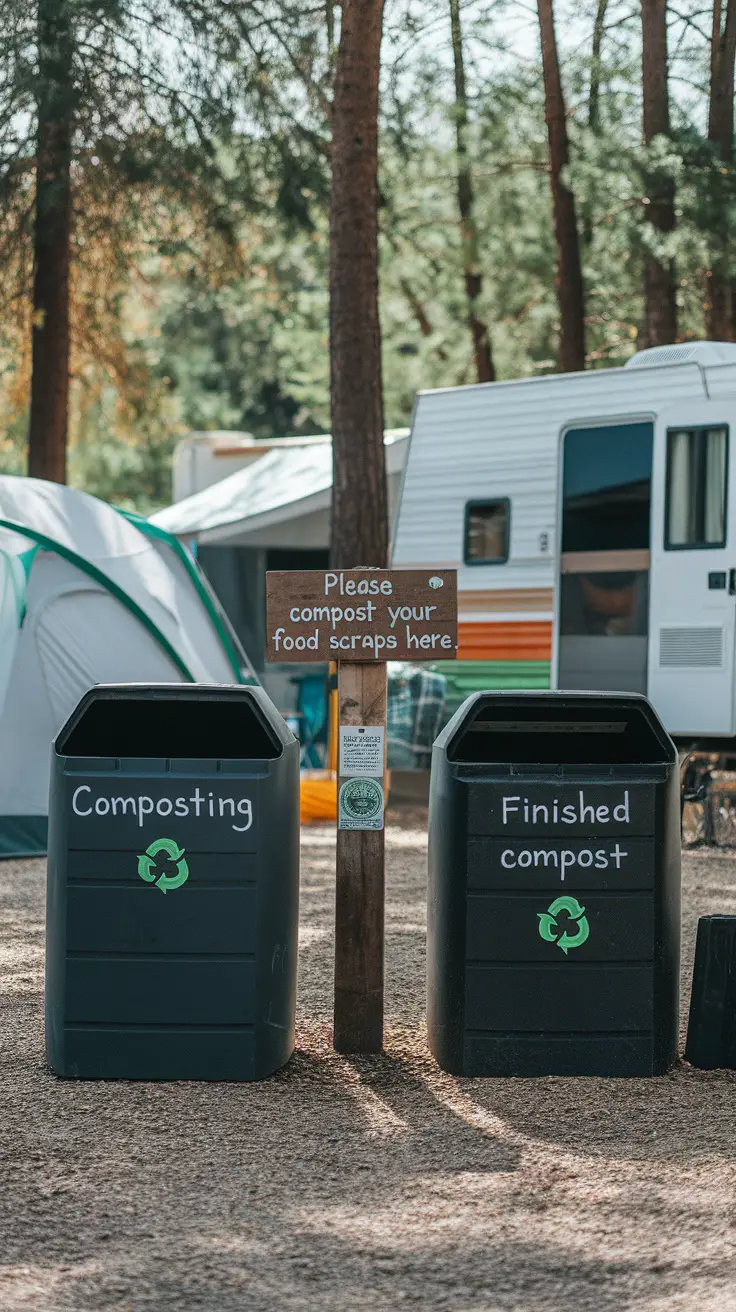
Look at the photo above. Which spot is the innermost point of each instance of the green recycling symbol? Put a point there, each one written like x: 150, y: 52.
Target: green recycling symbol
x: 548, y: 924
x: 147, y: 865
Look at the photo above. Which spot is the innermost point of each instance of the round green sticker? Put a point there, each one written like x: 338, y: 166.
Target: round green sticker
x: 361, y: 799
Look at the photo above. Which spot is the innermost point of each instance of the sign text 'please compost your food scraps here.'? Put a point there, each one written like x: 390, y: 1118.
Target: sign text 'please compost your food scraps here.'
x: 361, y: 615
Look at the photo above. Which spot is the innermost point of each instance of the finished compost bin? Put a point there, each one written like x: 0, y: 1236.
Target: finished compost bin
x: 554, y: 887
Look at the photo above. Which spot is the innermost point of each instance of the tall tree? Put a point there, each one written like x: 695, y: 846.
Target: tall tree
x: 51, y: 244
x: 569, y: 283
x: 594, y: 91
x: 660, y: 304
x: 719, y: 291
x: 104, y: 105
x: 359, y: 500
x: 482, y: 355
x: 594, y: 108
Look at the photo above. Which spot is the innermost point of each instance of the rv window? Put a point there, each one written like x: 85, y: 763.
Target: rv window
x: 487, y: 528
x: 697, y: 463
x: 606, y: 478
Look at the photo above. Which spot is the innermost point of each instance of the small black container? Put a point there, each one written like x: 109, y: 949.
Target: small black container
x: 173, y: 885
x: 711, y: 1030
x: 554, y: 887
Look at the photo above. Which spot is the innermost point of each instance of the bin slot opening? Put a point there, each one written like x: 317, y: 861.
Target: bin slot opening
x: 172, y: 727
x: 501, y: 735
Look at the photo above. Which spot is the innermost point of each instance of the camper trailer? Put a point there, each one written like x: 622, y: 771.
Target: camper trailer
x: 592, y: 521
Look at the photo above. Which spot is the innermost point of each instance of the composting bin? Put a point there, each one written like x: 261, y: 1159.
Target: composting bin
x: 173, y: 885
x: 554, y: 887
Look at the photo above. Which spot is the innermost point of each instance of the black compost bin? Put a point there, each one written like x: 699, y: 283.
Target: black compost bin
x: 554, y: 887
x: 173, y: 885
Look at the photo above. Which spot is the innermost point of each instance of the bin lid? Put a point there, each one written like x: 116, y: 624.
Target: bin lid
x: 194, y: 721
x: 566, y: 728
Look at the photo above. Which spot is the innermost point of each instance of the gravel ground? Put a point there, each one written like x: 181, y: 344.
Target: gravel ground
x: 376, y: 1183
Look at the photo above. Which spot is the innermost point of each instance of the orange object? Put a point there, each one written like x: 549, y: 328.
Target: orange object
x: 318, y: 788
x: 318, y: 797
x: 608, y: 601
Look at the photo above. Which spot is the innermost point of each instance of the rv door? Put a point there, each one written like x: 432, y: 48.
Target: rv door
x: 693, y: 568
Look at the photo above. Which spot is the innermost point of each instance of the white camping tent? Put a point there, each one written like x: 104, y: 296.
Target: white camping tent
x: 88, y: 595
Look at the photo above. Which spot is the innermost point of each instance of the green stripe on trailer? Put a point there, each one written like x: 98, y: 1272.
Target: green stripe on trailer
x: 466, y: 677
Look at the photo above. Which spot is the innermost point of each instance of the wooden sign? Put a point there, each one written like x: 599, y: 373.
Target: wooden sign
x: 361, y: 615
x: 360, y: 618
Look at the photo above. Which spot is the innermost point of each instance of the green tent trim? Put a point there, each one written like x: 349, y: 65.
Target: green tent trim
x: 23, y: 835
x: 99, y: 576
x: 206, y: 595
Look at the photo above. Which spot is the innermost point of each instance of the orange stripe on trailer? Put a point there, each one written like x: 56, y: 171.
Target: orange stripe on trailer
x: 508, y: 599
x: 529, y: 640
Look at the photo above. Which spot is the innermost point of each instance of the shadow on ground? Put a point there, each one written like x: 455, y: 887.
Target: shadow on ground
x: 372, y: 1183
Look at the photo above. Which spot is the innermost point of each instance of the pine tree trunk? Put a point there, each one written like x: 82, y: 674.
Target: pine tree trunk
x: 570, y: 292
x: 482, y: 354
x: 47, y: 433
x: 594, y: 108
x: 359, y: 501
x: 594, y: 94
x: 719, y: 306
x: 330, y: 19
x: 660, y: 304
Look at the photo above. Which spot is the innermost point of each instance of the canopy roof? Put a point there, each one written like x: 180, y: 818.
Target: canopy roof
x: 283, y: 484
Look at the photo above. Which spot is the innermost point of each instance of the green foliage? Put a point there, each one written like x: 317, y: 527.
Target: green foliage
x: 251, y: 354
x: 133, y: 476
x: 202, y: 177
x: 189, y: 118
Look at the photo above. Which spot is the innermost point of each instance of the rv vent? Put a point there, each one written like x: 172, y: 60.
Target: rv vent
x: 704, y: 353
x: 690, y: 647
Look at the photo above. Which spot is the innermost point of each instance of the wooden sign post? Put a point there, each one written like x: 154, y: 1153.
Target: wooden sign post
x: 361, y: 619
x: 359, y: 892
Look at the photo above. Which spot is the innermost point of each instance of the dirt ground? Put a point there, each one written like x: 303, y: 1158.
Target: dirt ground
x: 346, y: 1184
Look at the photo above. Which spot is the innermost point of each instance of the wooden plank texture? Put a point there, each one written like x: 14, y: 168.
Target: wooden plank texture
x: 359, y: 904
x: 361, y: 615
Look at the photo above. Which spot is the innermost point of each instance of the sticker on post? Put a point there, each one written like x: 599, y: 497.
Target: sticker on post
x: 361, y: 750
x: 360, y: 804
